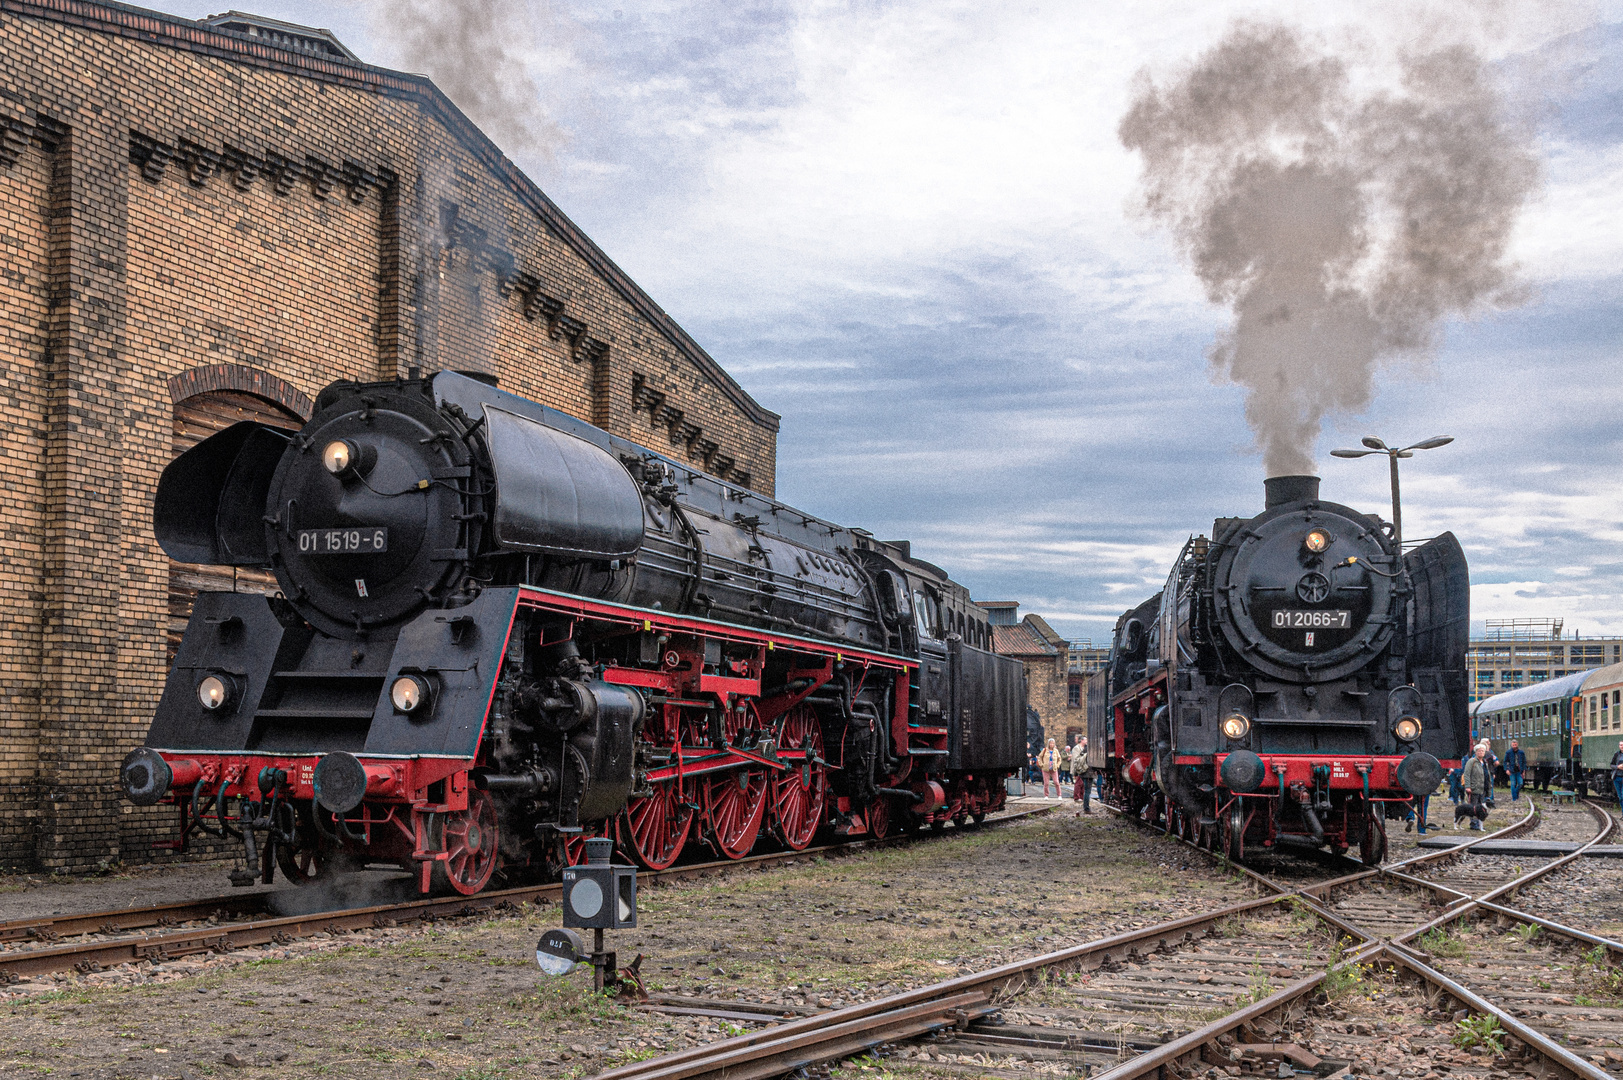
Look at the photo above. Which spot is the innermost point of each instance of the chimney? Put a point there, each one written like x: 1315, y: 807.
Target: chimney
x: 1290, y: 489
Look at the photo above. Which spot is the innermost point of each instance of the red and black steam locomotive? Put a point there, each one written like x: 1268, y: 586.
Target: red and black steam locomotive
x: 502, y: 630
x: 1298, y: 681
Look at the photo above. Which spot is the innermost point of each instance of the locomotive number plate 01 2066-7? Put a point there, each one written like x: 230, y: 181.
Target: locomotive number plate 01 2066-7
x: 343, y: 541
x: 1294, y: 619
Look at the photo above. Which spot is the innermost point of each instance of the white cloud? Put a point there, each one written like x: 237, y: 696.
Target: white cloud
x: 905, y: 227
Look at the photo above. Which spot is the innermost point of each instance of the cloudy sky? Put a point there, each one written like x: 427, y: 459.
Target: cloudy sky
x: 908, y: 227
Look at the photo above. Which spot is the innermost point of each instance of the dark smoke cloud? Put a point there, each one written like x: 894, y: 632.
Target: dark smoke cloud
x: 1341, y: 228
x: 481, y: 53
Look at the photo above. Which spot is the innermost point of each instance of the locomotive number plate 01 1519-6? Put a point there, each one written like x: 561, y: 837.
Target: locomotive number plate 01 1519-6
x: 1295, y: 618
x: 343, y: 541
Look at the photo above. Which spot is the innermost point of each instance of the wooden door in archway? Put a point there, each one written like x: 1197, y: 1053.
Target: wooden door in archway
x: 196, y: 418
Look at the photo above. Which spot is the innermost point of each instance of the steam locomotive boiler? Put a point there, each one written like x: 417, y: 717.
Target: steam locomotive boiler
x: 1298, y: 681
x: 501, y: 630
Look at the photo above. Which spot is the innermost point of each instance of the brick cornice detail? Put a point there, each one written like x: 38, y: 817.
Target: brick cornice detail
x: 245, y: 379
x: 169, y: 31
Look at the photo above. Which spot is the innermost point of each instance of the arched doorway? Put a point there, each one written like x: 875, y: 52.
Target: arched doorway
x: 196, y: 418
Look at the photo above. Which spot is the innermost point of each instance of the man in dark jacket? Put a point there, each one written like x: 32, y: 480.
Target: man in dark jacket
x: 1515, y: 765
x: 1617, y: 775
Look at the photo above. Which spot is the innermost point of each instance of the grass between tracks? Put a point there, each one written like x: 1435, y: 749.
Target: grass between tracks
x: 464, y: 999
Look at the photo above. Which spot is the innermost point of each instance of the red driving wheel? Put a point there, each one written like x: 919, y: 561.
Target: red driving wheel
x: 734, y: 803
x: 654, y: 829
x: 471, y: 838
x: 800, y: 794
x: 879, y: 818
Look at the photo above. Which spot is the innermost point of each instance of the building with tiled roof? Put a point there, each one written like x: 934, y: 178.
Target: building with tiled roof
x: 1047, y: 659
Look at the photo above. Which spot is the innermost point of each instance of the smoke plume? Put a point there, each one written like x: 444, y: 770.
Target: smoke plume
x: 481, y: 54
x: 1340, y: 227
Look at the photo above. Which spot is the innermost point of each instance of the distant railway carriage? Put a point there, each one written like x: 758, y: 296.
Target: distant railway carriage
x: 1539, y: 717
x: 1599, y: 726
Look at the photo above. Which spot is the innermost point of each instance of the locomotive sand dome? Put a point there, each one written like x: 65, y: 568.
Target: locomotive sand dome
x: 1298, y: 680
x: 502, y: 630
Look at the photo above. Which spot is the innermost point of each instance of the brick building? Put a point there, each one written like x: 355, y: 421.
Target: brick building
x: 1055, y: 674
x: 206, y: 221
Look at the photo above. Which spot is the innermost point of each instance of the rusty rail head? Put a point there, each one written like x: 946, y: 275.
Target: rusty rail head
x: 88, y: 957
x: 1552, y: 1051
x: 989, y: 982
x: 1515, y: 828
x: 1613, y: 947
x: 1472, y: 904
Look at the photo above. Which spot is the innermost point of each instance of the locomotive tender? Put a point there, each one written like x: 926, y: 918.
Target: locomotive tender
x: 502, y: 630
x: 1297, y: 681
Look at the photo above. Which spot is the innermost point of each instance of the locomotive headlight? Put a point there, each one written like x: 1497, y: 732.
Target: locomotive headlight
x: 409, y: 693
x: 1407, y: 729
x: 1235, y: 726
x: 1316, y: 541
x: 339, y: 456
x: 214, y: 692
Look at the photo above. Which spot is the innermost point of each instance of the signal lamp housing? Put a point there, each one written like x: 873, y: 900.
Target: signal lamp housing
x: 217, y: 692
x: 411, y: 695
x: 345, y: 458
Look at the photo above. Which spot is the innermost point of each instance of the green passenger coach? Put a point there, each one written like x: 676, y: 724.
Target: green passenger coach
x: 1599, y: 719
x: 1540, y: 718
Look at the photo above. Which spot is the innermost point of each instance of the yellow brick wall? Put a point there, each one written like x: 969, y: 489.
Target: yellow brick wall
x: 177, y: 206
x: 24, y: 307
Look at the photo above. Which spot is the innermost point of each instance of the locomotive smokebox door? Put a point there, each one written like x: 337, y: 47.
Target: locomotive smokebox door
x: 600, y: 895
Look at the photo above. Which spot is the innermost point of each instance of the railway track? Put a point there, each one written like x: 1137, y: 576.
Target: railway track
x: 99, y: 940
x: 1159, y: 1001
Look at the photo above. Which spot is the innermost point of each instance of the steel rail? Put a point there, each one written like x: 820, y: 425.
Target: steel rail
x: 992, y: 982
x: 1515, y: 828
x: 717, y: 1058
x: 91, y: 956
x: 1505, y: 914
x: 1472, y: 903
x: 1394, y: 952
x: 1551, y: 1050
x: 52, y: 927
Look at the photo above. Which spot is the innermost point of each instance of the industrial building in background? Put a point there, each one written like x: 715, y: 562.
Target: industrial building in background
x: 206, y: 222
x: 1520, y: 652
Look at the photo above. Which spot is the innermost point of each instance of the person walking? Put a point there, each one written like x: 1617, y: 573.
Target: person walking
x: 1048, y: 761
x: 1515, y: 766
x: 1474, y: 780
x: 1491, y: 763
x: 1455, y: 792
x: 1081, y: 782
x: 1617, y: 775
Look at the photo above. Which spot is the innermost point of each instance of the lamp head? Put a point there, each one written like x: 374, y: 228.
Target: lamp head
x: 1373, y: 443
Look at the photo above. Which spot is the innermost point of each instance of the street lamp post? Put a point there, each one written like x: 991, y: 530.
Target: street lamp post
x: 1376, y: 446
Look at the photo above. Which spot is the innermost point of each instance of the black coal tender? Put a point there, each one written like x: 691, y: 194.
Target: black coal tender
x: 502, y: 630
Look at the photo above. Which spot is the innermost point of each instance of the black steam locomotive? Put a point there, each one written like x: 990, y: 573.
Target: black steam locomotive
x: 1297, y: 681
x: 502, y: 630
